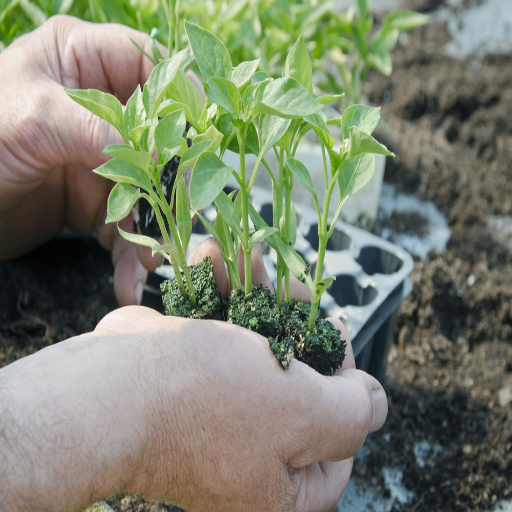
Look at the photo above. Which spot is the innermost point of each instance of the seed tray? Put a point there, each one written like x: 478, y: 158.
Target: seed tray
x: 371, y: 278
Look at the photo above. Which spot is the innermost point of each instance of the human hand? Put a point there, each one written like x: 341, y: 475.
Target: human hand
x: 197, y: 412
x: 49, y: 144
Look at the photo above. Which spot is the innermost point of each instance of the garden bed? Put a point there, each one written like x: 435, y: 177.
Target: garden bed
x: 451, y: 365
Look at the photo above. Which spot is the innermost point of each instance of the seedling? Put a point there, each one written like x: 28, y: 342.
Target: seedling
x: 245, y: 111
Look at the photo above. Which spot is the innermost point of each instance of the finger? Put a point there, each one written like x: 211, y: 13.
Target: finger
x: 120, y: 319
x: 349, y: 362
x: 258, y: 270
x: 320, y: 485
x: 333, y: 415
x: 211, y: 248
x: 298, y: 291
x: 129, y: 273
x: 101, y: 56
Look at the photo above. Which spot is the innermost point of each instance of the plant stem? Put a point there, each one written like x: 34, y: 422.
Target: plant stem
x: 176, y: 28
x: 288, y: 185
x: 278, y: 212
x: 234, y: 276
x: 246, y: 246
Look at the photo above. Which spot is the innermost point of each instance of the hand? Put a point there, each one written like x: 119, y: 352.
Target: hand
x: 49, y: 144
x: 197, y: 412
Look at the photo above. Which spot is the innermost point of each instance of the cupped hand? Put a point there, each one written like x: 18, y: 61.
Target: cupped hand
x: 49, y: 144
x: 226, y: 429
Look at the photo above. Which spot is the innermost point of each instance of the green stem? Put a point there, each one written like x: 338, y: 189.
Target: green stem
x: 246, y: 246
x: 279, y: 284
x: 326, y: 176
x: 176, y: 28
x: 288, y: 228
x: 231, y: 262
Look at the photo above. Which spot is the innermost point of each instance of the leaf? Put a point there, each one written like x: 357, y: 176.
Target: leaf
x: 169, y: 131
x: 210, y: 52
x: 329, y: 98
x: 320, y: 128
x: 383, y: 42
x: 294, y: 262
x: 298, y: 65
x: 356, y: 174
x: 300, y: 171
x: 224, y: 93
x: 363, y: 117
x: 213, y: 135
x: 120, y: 202
x: 209, y: 177
x: 126, y: 153
x: 228, y: 211
x: 159, y: 81
x: 191, y: 155
x: 146, y: 241
x: 136, y: 133
x: 324, y: 284
x: 99, y: 103
x: 286, y: 140
x: 293, y: 231
x: 381, y: 63
x: 226, y: 126
x: 261, y: 234
x: 124, y: 172
x: 361, y: 142
x: 36, y: 15
x: 260, y: 76
x: 270, y: 130
x: 404, y: 20
x: 212, y: 230
x: 184, y: 91
x: 284, y: 97
x: 243, y: 73
x: 134, y: 114
x: 183, y: 214
x: 168, y: 249
x: 364, y: 8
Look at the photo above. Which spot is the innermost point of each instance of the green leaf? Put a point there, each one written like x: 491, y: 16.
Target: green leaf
x: 124, y: 172
x: 224, y: 93
x: 259, y: 223
x: 228, y: 211
x: 382, y: 63
x: 286, y: 140
x: 191, y: 155
x: 209, y: 177
x: 169, y: 131
x: 356, y: 174
x: 169, y: 251
x: 261, y: 234
x: 183, y: 214
x: 301, y: 173
x: 320, y: 127
x: 184, y: 91
x: 294, y: 262
x: 284, y: 97
x: 159, y: 82
x: 384, y: 42
x: 213, y: 135
x: 404, y: 20
x: 260, y: 76
x: 134, y: 114
x: 126, y: 153
x: 226, y: 126
x: 136, y: 133
x: 364, y: 8
x: 120, y: 202
x: 270, y: 130
x: 324, y: 284
x: 243, y: 73
x: 361, y: 142
x: 298, y: 65
x: 363, y: 117
x: 146, y: 241
x: 329, y: 98
x: 210, y: 52
x: 99, y: 103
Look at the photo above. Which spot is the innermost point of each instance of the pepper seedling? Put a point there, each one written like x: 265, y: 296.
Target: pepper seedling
x: 245, y: 111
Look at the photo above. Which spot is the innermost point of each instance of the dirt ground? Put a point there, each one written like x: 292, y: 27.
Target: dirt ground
x: 450, y: 369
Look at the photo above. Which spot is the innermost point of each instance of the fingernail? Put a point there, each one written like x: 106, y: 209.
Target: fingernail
x: 380, y: 409
x: 139, y: 289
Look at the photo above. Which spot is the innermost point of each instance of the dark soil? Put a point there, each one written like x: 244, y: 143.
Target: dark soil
x: 450, y: 369
x: 285, y: 325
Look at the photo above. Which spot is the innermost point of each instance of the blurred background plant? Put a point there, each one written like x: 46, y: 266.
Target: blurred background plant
x: 344, y: 46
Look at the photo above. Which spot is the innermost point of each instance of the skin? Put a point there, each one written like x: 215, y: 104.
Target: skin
x: 49, y: 144
x: 196, y: 412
